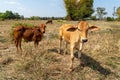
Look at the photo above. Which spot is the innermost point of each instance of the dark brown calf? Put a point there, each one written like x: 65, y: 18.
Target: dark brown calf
x: 49, y: 21
x: 28, y: 34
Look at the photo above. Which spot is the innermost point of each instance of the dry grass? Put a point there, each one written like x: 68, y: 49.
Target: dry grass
x: 100, y: 55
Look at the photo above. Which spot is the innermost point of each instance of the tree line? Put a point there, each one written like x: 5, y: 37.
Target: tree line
x: 45, y: 18
x: 76, y: 10
x: 10, y: 15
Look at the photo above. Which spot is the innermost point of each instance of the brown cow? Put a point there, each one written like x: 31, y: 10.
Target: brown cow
x: 76, y: 36
x: 49, y: 21
x: 28, y: 34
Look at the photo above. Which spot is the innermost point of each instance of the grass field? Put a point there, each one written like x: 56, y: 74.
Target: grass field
x: 101, y: 54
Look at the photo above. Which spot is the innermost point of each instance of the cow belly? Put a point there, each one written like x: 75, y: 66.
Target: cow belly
x: 28, y: 37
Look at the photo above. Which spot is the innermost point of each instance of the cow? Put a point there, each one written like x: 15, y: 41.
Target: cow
x: 28, y: 34
x: 76, y: 36
x: 49, y: 21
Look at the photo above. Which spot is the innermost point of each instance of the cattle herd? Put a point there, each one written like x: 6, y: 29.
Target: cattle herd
x: 76, y: 36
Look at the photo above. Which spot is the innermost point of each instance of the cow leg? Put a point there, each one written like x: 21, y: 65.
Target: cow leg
x: 16, y: 44
x: 20, y: 40
x: 79, y: 53
x: 72, y: 57
x: 36, y: 44
x: 65, y: 52
x: 60, y: 43
x: 19, y: 45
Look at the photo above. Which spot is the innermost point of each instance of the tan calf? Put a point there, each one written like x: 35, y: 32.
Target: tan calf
x: 75, y: 36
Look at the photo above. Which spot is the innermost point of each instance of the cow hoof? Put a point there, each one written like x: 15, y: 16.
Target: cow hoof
x: 65, y: 53
x: 70, y: 70
x: 82, y: 65
x: 59, y: 51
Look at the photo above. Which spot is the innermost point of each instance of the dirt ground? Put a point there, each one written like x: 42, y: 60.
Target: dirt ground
x: 101, y: 54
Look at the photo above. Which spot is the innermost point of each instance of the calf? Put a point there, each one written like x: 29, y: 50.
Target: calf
x: 28, y: 34
x: 49, y: 21
x: 76, y: 36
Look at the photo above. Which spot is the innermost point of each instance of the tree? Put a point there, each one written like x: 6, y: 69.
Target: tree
x: 70, y: 8
x: 101, y: 12
x: 21, y: 17
x: 34, y: 18
x: 85, y: 8
x: 1, y: 16
x: 17, y: 16
x: 118, y: 12
x: 93, y: 18
x: 9, y: 15
x: 78, y: 9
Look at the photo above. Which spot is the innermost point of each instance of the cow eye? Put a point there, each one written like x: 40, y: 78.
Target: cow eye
x: 79, y: 29
x: 39, y: 30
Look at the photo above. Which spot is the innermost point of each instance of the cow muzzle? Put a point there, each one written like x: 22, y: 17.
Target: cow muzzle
x: 43, y: 31
x: 84, y: 40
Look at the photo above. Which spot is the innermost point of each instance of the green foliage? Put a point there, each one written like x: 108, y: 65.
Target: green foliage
x: 3, y: 39
x: 22, y: 24
x: 10, y: 15
x: 110, y: 19
x: 78, y: 9
x: 2, y: 17
x: 101, y: 12
x: 118, y: 19
x: 19, y: 24
x: 34, y: 18
x: 118, y: 13
x: 93, y: 18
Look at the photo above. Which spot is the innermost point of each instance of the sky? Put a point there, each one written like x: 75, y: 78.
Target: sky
x: 49, y: 8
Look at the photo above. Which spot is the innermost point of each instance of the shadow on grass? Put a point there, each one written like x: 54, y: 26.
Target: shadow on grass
x: 55, y: 50
x: 88, y: 61
x: 93, y: 64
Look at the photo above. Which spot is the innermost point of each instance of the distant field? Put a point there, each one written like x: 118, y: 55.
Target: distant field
x: 101, y: 54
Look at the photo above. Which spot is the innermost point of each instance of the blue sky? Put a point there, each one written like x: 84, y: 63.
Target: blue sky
x: 49, y: 8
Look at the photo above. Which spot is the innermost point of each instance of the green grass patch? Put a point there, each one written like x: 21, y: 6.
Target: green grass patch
x: 53, y: 36
x: 19, y: 24
x: 2, y: 39
x: 22, y: 24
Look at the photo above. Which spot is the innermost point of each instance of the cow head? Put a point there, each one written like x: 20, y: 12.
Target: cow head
x: 42, y: 28
x: 83, y: 27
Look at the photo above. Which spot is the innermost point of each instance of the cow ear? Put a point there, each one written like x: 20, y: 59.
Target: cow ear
x: 72, y: 28
x: 94, y: 28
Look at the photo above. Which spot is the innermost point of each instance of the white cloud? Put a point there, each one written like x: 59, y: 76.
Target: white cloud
x: 22, y: 8
x: 16, y: 4
x: 53, y: 3
x: 12, y: 2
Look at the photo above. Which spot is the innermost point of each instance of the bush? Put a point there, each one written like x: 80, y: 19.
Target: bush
x: 35, y: 18
x: 110, y: 19
x: 118, y: 19
x: 19, y: 24
x: 93, y: 18
x: 2, y: 19
x: 22, y: 24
